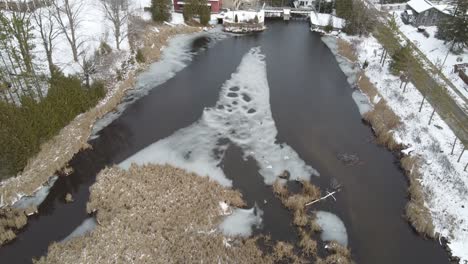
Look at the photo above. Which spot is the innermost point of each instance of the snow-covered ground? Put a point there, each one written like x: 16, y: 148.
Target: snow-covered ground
x: 443, y: 179
x: 93, y: 28
x: 436, y: 51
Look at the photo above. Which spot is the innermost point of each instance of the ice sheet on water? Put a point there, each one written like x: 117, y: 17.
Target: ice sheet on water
x: 38, y: 197
x: 241, y: 222
x: 332, y: 228
x: 87, y: 226
x: 362, y: 102
x: 242, y: 116
x: 175, y: 57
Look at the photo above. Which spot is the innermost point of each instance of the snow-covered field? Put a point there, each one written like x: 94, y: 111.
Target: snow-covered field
x: 444, y: 182
x: 93, y: 28
x: 436, y: 51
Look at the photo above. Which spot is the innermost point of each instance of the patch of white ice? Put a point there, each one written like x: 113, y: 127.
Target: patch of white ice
x: 332, y: 228
x: 241, y: 222
x: 38, y: 197
x: 87, y: 226
x: 362, y: 102
x: 243, y: 116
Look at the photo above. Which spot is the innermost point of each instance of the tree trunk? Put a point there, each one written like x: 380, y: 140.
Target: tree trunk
x: 461, y: 154
x: 432, y: 115
x: 453, y: 146
x: 404, y: 87
x: 422, y: 102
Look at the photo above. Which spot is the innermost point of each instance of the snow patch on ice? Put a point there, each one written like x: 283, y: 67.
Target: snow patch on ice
x: 241, y: 222
x: 362, y: 102
x: 332, y: 228
x: 38, y: 197
x: 241, y: 116
x: 87, y: 226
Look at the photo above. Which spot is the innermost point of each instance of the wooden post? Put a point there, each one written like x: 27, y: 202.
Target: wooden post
x: 432, y: 115
x: 422, y: 102
x: 404, y: 87
x: 453, y: 146
x: 461, y: 154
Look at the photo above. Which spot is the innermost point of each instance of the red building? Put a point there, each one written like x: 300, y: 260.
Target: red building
x: 215, y: 5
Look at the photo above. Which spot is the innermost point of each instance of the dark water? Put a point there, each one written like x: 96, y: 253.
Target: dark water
x: 314, y: 113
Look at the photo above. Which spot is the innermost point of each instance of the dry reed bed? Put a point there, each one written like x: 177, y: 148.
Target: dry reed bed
x: 57, y: 152
x: 307, y: 226
x: 384, y: 121
x: 156, y: 214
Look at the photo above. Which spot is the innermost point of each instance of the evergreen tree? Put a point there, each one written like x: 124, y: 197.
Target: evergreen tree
x: 344, y: 8
x: 205, y: 14
x: 236, y: 19
x: 401, y: 60
x: 187, y: 12
x: 256, y: 20
x: 455, y: 27
x: 161, y: 10
x: 360, y: 20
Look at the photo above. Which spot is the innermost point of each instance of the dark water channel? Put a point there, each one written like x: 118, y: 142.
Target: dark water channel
x: 314, y: 113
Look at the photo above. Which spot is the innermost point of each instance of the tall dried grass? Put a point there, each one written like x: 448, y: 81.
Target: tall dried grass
x: 384, y: 121
x: 11, y: 219
x: 416, y: 211
x: 308, y: 245
x: 338, y: 255
x: 156, y: 214
x: 347, y: 50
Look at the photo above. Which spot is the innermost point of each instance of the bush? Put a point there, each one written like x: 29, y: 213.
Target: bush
x: 140, y: 58
x: 401, y: 60
x: 161, y: 10
x: 24, y: 128
x: 104, y: 48
x: 205, y: 15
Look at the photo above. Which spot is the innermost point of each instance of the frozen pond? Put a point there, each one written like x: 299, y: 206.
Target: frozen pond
x: 242, y: 110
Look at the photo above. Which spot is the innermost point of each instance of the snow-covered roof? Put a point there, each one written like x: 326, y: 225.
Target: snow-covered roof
x: 320, y: 19
x: 420, y: 5
x: 443, y: 8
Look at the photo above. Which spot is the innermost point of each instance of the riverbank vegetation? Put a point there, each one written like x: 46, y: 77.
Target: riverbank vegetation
x: 306, y: 225
x: 197, y: 8
x: 11, y: 220
x: 422, y: 119
x: 157, y: 214
x: 55, y: 153
x: 162, y: 214
x: 384, y: 122
x: 25, y: 126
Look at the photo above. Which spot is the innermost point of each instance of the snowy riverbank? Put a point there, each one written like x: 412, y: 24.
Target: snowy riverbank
x: 443, y: 179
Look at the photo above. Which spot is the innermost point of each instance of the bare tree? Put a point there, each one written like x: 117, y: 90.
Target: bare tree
x: 68, y: 17
x: 116, y: 12
x: 48, y: 32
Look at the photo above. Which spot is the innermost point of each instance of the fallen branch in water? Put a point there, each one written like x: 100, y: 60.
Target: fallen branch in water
x: 323, y: 198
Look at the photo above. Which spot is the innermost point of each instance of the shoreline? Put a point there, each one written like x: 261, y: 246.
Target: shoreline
x: 417, y: 212
x: 57, y: 152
